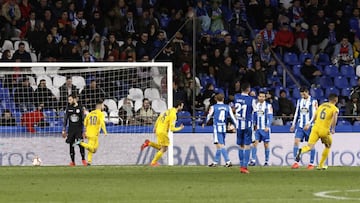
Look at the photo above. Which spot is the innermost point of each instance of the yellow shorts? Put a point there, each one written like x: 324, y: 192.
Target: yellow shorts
x: 93, y: 141
x: 162, y: 138
x: 320, y: 133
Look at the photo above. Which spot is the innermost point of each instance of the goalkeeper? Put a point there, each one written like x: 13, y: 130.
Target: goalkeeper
x: 164, y: 123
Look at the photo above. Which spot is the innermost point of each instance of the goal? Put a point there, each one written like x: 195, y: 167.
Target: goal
x: 133, y: 93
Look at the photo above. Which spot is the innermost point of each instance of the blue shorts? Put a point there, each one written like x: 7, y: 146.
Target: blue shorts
x: 261, y: 135
x: 302, y: 134
x: 243, y: 137
x: 219, y: 133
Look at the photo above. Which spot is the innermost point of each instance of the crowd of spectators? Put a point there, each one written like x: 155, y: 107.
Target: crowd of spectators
x: 234, y: 41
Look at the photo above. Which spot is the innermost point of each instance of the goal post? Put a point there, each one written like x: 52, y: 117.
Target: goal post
x: 122, y: 86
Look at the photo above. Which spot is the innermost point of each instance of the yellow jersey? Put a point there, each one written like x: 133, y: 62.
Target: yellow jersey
x: 166, y: 121
x: 94, y: 121
x: 324, y: 115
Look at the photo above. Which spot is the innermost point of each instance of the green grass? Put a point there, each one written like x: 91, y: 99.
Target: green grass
x: 175, y: 184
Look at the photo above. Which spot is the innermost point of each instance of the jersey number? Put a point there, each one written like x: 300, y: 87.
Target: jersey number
x: 93, y: 120
x: 222, y: 116
x: 240, y: 110
x: 322, y: 114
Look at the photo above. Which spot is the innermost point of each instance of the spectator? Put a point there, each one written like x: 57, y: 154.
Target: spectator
x: 87, y: 57
x: 159, y: 43
x: 258, y: 44
x: 130, y: 24
x: 24, y: 96
x: 270, y: 12
x: 127, y: 50
x: 317, y: 40
x: 226, y: 47
x: 259, y: 75
x: 227, y: 73
x: 268, y: 61
x: 343, y: 53
x: 126, y: 112
x: 301, y: 40
x: 21, y: 54
x: 356, y: 89
x: 11, y: 13
x: 143, y: 47
x: 32, y: 119
x: 268, y: 33
x: 238, y: 21
x: 202, y: 15
x: 65, y: 49
x: 271, y: 99
x: 44, y: 96
x: 332, y: 39
x: 286, y: 107
x: 97, y: 24
x: 354, y: 22
x: 247, y: 60
x: 65, y: 90
x: 80, y: 25
x: 310, y: 73
x: 6, y: 56
x: 111, y: 47
x: 82, y: 45
x: 352, y: 108
x: 297, y: 13
x: 235, y: 89
x: 56, y: 35
x: 29, y: 26
x: 284, y: 40
x: 146, y: 115
x: 167, y: 54
x: 216, y: 15
x: 7, y: 119
x: 49, y: 20
x: 96, y: 47
x: 64, y: 25
x: 91, y: 94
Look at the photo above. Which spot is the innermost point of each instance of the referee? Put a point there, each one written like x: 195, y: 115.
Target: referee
x: 74, y: 115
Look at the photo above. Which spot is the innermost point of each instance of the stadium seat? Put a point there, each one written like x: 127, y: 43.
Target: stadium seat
x: 331, y: 70
x: 157, y: 80
x: 138, y: 104
x: 278, y: 89
x: 26, y: 43
x: 79, y: 82
x: 323, y: 59
x: 33, y: 57
x: 114, y: 117
x: 121, y: 102
x: 184, y: 117
x: 159, y: 105
x: 347, y: 71
x: 111, y: 104
x: 32, y: 82
x: 296, y: 93
x: 356, y: 123
x: 303, y: 56
x: 291, y: 59
x: 55, y: 91
x: 330, y: 90
x: 4, y: 93
x: 297, y: 70
x: 50, y: 115
x: 343, y: 122
x: 353, y: 81
x: 199, y: 117
x: 152, y: 93
x: 341, y: 82
x: 135, y: 94
x: 38, y: 70
x: 345, y: 92
x: 46, y: 78
x: 326, y: 81
x: 317, y: 93
x: 7, y: 45
x: 58, y: 80
x: 17, y: 116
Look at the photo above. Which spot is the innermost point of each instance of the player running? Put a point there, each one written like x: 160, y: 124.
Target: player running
x: 165, y: 122
x: 262, y: 122
x: 221, y: 113
x: 303, y: 119
x: 94, y: 122
x: 325, y: 122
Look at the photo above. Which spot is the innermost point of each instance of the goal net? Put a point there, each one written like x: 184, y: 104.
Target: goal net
x: 34, y: 98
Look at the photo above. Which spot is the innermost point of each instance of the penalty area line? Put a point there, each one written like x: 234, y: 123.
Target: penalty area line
x: 329, y: 194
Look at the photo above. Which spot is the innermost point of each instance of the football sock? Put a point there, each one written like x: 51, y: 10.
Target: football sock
x: 267, y: 153
x: 295, y: 150
x: 225, y: 154
x: 246, y: 157
x: 217, y: 156
x: 156, y: 146
x: 82, y: 152
x: 324, y: 156
x: 157, y: 156
x: 253, y: 152
x: 241, y: 157
x: 312, y: 156
x: 72, y: 153
x: 305, y: 149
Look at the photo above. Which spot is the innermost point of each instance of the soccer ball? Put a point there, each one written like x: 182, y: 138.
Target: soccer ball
x: 36, y: 161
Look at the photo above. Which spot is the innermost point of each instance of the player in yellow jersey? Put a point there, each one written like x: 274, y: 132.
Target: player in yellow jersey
x: 93, y: 123
x: 324, y: 126
x: 165, y: 122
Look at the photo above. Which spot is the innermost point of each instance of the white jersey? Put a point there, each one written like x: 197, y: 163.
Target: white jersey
x: 263, y: 115
x: 305, y: 111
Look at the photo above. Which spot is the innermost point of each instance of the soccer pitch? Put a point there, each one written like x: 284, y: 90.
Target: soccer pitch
x: 177, y: 184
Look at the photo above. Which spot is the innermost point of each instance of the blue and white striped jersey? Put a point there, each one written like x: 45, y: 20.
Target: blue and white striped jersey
x: 263, y: 115
x: 244, y: 108
x: 305, y: 111
x: 221, y: 113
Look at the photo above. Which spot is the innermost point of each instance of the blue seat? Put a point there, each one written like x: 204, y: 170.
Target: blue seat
x: 184, y: 117
x: 7, y: 103
x: 4, y: 93
x: 341, y: 82
x: 353, y: 81
x: 297, y: 70
x: 296, y: 93
x: 345, y: 92
x: 17, y: 116
x: 343, y: 122
x: 50, y: 115
x: 291, y: 58
x: 304, y: 56
x: 347, y: 71
x: 331, y: 90
x: 199, y: 117
x: 331, y: 70
x: 317, y: 93
x: 326, y: 81
x: 324, y: 59
x: 322, y: 100
x: 278, y: 89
